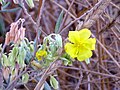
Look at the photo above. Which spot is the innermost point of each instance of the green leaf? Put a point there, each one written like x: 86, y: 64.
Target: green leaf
x: 21, y: 57
x: 58, y: 40
x: 15, y: 51
x: 25, y: 78
x: 57, y: 26
x: 54, y: 82
x: 11, y: 59
x: 20, y: 61
x: 5, y: 60
x: 30, y: 3
x: 2, y: 26
x: 0, y: 1
x: 87, y: 61
x: 66, y: 61
x: 22, y: 52
x: 16, y: 1
x: 36, y: 39
x: 53, y: 49
x: 28, y: 57
x: 5, y: 6
x: 10, y: 10
x: 31, y: 46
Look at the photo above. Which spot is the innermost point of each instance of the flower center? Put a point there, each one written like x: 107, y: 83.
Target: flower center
x: 79, y: 45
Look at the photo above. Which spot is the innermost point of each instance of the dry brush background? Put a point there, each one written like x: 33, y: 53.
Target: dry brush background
x: 102, y: 17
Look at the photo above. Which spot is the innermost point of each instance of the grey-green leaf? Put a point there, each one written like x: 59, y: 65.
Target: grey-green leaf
x: 11, y: 59
x: 57, y: 26
x: 0, y: 1
x: 46, y: 86
x: 15, y: 51
x: 25, y: 78
x: 54, y: 82
x: 58, y: 40
x: 5, y: 60
x: 2, y: 26
x: 5, y: 6
x: 10, y: 10
x: 87, y: 61
x: 30, y: 3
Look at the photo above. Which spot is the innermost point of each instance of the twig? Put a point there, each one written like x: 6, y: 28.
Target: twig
x: 31, y: 19
x: 40, y: 12
x: 115, y: 5
x: 66, y: 15
x: 64, y: 9
x: 45, y: 74
x: 92, y: 15
x: 92, y: 72
x: 12, y: 84
x: 108, y: 52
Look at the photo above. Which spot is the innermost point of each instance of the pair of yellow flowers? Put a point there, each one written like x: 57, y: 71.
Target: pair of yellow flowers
x: 79, y: 47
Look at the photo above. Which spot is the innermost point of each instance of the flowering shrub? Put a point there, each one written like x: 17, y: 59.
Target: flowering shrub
x: 24, y: 54
x: 49, y: 44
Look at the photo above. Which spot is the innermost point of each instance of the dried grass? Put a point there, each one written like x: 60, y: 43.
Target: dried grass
x: 101, y: 17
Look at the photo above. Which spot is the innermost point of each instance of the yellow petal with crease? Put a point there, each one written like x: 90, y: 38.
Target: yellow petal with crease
x: 84, y: 34
x: 84, y: 54
x: 71, y: 50
x: 74, y: 36
x: 90, y: 44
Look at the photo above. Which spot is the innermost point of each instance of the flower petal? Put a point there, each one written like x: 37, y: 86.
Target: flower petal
x: 84, y: 34
x: 84, y: 54
x: 71, y: 49
x: 40, y: 54
x: 90, y: 44
x: 74, y: 36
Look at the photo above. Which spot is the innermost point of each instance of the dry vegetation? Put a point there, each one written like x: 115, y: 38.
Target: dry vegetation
x: 102, y: 17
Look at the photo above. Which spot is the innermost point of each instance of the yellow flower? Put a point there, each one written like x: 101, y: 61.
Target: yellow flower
x: 40, y: 54
x: 80, y: 45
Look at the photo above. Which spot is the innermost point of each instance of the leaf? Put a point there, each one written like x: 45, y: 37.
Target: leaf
x: 11, y: 59
x: 28, y: 56
x: 36, y: 39
x: 22, y: 52
x: 54, y: 82
x: 10, y: 10
x: 46, y: 86
x: 58, y: 40
x: 52, y: 49
x: 20, y: 61
x: 15, y: 51
x: 66, y: 61
x: 16, y: 1
x: 5, y: 60
x: 30, y: 3
x: 31, y: 46
x: 57, y: 26
x: 54, y: 42
x: 25, y: 78
x: 21, y: 57
x: 2, y: 2
x: 6, y: 5
x: 2, y: 26
x: 87, y: 61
